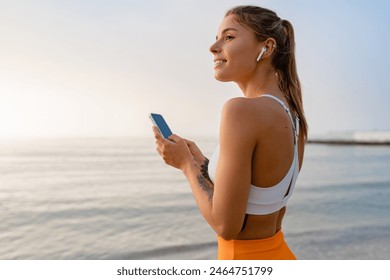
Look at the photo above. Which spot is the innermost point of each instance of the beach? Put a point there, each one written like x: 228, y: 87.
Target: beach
x: 114, y: 198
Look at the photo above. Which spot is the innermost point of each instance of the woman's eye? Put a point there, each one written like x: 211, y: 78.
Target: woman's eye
x: 228, y: 37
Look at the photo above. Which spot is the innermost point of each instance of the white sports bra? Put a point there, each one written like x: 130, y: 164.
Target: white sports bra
x: 262, y: 201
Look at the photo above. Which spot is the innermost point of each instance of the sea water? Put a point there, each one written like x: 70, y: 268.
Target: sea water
x: 114, y: 198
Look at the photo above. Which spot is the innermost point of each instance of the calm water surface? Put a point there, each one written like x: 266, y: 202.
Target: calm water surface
x: 116, y: 199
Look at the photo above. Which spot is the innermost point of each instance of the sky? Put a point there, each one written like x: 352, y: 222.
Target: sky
x: 83, y: 68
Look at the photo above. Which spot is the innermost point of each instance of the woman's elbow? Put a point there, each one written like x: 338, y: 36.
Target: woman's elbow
x: 227, y: 232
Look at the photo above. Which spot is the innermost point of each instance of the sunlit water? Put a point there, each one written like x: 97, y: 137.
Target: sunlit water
x: 116, y: 199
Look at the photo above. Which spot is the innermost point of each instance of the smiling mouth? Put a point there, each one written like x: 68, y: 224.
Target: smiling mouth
x: 219, y: 62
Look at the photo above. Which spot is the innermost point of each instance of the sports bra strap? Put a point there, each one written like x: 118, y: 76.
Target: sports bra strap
x: 277, y: 100
x: 296, y: 124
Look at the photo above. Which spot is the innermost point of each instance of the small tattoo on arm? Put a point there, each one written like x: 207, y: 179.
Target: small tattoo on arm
x: 205, y: 185
x: 204, y: 179
x: 204, y: 169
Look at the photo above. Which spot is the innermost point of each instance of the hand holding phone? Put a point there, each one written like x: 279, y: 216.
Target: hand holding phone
x: 162, y: 126
x: 176, y: 151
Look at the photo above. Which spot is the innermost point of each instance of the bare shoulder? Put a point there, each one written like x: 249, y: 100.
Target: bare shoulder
x: 243, y: 107
x: 234, y: 105
x: 257, y: 111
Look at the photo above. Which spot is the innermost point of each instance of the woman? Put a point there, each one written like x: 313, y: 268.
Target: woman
x: 242, y: 192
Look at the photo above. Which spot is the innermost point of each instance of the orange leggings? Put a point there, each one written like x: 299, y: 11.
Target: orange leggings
x: 272, y: 248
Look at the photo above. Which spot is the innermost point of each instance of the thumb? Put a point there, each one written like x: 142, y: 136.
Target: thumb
x: 175, y: 138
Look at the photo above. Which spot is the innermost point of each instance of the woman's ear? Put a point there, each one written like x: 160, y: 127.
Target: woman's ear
x: 270, y: 45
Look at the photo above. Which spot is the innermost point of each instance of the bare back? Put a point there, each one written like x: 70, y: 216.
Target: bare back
x: 271, y: 160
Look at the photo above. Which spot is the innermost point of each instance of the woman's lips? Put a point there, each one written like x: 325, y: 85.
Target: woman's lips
x: 218, y: 62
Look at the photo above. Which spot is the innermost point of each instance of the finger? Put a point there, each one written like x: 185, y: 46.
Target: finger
x: 158, y: 150
x: 175, y: 138
x: 160, y: 139
x: 157, y: 133
x: 188, y: 142
x: 159, y: 144
x: 162, y: 143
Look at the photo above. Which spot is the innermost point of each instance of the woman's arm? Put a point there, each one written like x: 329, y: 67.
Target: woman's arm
x: 185, y: 155
x: 223, y: 204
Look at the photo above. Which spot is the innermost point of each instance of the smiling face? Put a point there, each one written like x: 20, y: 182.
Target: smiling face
x: 235, y: 51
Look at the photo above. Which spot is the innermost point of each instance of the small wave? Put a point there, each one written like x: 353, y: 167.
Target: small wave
x: 352, y: 137
x: 168, y: 252
x: 368, y: 242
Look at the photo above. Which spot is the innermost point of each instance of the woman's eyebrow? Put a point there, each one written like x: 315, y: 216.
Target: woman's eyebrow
x: 226, y: 30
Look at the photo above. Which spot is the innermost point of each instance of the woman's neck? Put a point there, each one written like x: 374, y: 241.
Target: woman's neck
x: 260, y: 84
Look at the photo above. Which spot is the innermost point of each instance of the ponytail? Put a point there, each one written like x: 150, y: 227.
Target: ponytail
x: 286, y: 69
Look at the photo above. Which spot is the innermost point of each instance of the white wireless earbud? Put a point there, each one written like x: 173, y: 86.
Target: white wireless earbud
x: 261, y: 53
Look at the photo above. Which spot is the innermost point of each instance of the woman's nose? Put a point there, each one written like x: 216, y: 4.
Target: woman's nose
x: 214, y: 48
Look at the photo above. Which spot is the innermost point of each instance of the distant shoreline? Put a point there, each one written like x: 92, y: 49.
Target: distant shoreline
x: 349, y: 142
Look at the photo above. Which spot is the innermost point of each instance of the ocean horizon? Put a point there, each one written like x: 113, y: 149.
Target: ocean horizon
x: 114, y: 198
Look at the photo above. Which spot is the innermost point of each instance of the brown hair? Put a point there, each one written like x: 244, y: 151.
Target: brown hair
x: 266, y: 24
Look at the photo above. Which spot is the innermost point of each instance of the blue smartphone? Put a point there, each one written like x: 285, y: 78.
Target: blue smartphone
x: 159, y: 121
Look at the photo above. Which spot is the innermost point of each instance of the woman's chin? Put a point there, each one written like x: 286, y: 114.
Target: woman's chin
x: 222, y: 78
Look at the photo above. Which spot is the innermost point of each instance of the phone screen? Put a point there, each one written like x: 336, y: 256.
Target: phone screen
x: 159, y: 121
